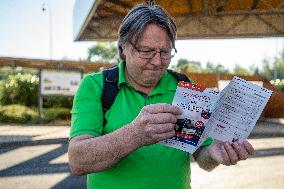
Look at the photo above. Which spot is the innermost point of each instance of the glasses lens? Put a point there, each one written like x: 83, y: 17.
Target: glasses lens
x: 147, y: 54
x: 169, y: 54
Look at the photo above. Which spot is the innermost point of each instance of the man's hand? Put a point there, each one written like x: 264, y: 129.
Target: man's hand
x: 227, y: 153
x: 155, y: 123
x: 88, y: 154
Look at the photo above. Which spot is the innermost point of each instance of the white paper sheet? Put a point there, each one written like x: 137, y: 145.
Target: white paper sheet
x: 237, y: 110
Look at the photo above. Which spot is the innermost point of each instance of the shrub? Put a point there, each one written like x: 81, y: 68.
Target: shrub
x: 17, y: 114
x: 50, y: 114
x: 19, y: 89
x: 6, y: 71
x: 58, y: 101
x: 278, y: 83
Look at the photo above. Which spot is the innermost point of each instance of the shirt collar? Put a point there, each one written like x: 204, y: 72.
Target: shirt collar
x: 165, y: 84
x: 121, y: 77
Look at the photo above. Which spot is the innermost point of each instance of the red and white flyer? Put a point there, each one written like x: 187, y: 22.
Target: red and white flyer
x: 226, y: 116
x: 197, y: 103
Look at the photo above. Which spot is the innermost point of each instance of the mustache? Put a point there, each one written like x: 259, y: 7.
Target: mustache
x: 154, y: 67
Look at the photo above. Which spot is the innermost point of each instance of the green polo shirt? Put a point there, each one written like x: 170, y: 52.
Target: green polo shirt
x: 152, y: 167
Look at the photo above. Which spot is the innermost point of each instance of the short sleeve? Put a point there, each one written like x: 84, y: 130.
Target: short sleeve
x: 207, y: 142
x: 87, y: 114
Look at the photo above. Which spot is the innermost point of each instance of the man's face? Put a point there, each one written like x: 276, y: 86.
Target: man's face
x: 144, y: 72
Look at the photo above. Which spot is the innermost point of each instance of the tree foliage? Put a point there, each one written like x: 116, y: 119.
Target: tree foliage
x: 278, y: 83
x: 106, y: 52
x: 270, y: 69
x: 19, y: 89
x: 273, y: 68
x: 239, y: 70
x: 212, y: 68
x: 184, y: 65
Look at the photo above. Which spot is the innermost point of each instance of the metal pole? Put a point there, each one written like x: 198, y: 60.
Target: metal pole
x: 48, y: 7
x: 40, y: 100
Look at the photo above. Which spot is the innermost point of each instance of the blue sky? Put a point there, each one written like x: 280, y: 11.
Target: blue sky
x: 25, y: 33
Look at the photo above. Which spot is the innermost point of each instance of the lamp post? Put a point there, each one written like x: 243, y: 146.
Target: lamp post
x: 47, y: 7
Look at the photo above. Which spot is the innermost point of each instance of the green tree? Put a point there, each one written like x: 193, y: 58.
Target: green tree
x: 106, y: 52
x: 184, y: 65
x: 279, y: 66
x: 239, y: 70
x: 267, y: 69
x: 211, y: 68
x: 273, y: 68
x: 182, y: 62
x: 253, y: 70
x: 256, y: 71
x: 221, y: 69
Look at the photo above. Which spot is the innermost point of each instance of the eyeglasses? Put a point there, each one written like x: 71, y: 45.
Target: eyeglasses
x: 149, y: 53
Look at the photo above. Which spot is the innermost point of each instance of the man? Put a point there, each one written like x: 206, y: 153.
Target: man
x: 118, y: 149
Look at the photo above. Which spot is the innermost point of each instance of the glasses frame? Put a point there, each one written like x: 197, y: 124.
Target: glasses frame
x: 139, y: 51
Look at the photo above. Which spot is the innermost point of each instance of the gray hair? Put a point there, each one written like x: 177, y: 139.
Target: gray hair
x: 137, y: 18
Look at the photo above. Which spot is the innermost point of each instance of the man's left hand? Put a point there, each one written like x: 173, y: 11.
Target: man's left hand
x: 229, y: 153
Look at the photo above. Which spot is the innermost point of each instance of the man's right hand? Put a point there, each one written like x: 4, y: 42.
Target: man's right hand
x: 88, y: 154
x: 155, y: 123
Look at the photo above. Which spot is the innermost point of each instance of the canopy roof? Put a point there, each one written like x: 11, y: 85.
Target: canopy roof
x: 99, y: 19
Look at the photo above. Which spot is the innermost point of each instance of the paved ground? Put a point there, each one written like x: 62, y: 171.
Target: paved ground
x: 35, y: 157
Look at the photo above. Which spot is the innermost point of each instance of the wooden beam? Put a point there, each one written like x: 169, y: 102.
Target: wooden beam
x: 190, y: 7
x: 267, y: 4
x: 120, y: 3
x: 281, y: 5
x: 254, y: 4
x: 111, y: 10
x: 53, y: 64
x: 220, y: 5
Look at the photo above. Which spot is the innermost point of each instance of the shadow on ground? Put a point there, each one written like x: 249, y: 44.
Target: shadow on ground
x: 40, y: 165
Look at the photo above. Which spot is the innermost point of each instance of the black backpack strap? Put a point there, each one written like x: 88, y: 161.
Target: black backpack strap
x: 110, y: 87
x: 180, y: 77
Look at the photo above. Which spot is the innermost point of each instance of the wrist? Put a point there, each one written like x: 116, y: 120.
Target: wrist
x: 209, y: 158
x: 204, y: 159
x: 134, y: 137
